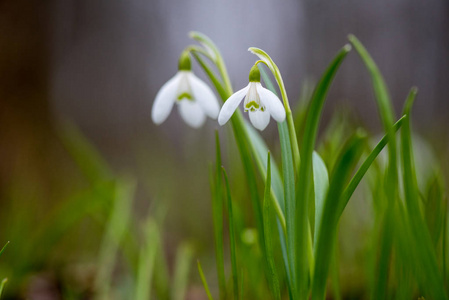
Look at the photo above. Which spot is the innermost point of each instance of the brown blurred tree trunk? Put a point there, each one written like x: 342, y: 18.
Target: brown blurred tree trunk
x: 24, y: 106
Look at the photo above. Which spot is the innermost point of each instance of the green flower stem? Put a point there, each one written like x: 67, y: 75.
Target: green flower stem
x: 224, y: 95
x: 266, y: 59
x: 215, y: 56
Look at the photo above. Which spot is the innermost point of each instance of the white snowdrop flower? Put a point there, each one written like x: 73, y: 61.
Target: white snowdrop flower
x: 193, y: 96
x: 259, y: 102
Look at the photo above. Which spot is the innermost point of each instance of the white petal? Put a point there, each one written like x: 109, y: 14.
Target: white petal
x: 192, y: 113
x: 229, y: 107
x: 272, y: 103
x: 259, y: 119
x: 204, y: 96
x: 164, y: 100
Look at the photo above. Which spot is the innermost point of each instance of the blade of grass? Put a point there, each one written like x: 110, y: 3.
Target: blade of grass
x: 305, y: 172
x: 217, y: 210
x: 203, y: 280
x: 387, y: 115
x: 358, y: 176
x: 232, y: 237
x: 321, y: 185
x: 2, y: 285
x: 326, y: 238
x: 267, y: 215
x: 114, y: 233
x: 181, y: 273
x: 289, y: 200
x: 4, y: 247
x: 147, y: 258
x: 423, y: 243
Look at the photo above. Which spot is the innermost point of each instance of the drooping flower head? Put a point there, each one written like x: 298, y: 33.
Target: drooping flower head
x: 194, y: 98
x: 259, y: 102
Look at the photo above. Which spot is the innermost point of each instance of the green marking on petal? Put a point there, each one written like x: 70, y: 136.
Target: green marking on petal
x: 252, y: 105
x: 185, y: 95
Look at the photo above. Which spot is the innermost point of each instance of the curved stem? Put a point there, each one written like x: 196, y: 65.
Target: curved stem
x: 289, y: 116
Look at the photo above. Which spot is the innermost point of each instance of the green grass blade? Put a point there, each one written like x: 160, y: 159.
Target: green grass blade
x: 365, y: 166
x: 321, y: 185
x: 267, y: 216
x: 326, y: 238
x: 181, y: 274
x: 147, y: 259
x: 387, y: 115
x: 305, y: 171
x: 4, y: 247
x: 289, y: 198
x: 203, y: 280
x: 384, y: 103
x: 232, y: 237
x: 433, y: 283
x: 217, y: 210
x: 2, y: 285
x: 115, y: 231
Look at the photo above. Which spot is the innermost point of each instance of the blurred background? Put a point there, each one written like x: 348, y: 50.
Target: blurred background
x: 99, y: 65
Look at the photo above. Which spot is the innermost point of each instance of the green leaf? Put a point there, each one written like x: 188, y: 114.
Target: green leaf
x: 387, y: 115
x: 115, y: 231
x: 305, y: 171
x: 365, y: 166
x: 147, y: 259
x: 321, y: 185
x: 325, y: 240
x: 267, y: 216
x: 431, y: 276
x: 289, y: 198
x: 203, y: 279
x: 184, y: 256
x: 232, y: 237
x: 2, y: 285
x: 4, y: 247
x: 217, y: 211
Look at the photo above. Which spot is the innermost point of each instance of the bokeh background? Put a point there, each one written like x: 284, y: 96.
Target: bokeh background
x: 99, y: 64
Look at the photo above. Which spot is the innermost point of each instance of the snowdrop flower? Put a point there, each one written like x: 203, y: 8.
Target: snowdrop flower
x: 259, y: 102
x: 194, y: 98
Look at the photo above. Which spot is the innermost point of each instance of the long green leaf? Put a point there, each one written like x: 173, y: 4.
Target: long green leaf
x: 4, y: 247
x: 232, y: 237
x: 217, y: 210
x: 387, y: 115
x: 305, y: 171
x: 114, y: 233
x: 181, y: 274
x: 267, y: 216
x: 147, y: 259
x: 203, y: 280
x: 328, y: 229
x: 321, y: 185
x: 423, y: 242
x: 2, y: 285
x: 365, y: 166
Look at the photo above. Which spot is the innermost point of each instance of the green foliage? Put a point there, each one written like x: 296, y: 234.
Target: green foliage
x: 279, y: 222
